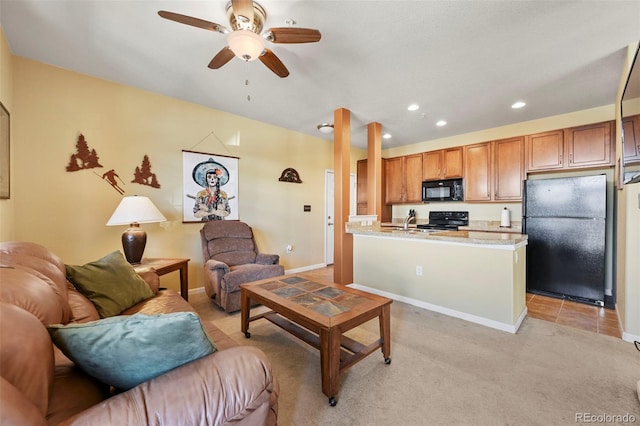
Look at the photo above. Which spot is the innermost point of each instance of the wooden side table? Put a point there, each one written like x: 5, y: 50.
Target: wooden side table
x: 164, y: 266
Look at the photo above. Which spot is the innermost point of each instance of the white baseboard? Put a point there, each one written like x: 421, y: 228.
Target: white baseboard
x: 196, y: 290
x: 305, y: 268
x: 510, y: 328
x: 628, y: 337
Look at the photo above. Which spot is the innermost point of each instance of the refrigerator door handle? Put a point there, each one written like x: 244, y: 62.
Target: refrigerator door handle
x: 524, y: 198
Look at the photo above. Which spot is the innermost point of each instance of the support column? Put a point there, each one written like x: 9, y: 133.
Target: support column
x: 343, y: 242
x: 374, y: 170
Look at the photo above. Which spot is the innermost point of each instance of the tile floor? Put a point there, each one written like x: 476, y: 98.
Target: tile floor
x: 573, y: 314
x: 565, y: 312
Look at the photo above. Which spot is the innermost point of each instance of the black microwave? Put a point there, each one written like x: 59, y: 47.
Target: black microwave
x: 442, y: 190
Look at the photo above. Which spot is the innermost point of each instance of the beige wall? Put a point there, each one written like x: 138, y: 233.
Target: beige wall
x: 67, y: 211
x: 6, y: 97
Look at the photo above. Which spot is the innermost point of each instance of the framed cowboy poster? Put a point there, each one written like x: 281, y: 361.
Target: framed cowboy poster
x: 210, y: 187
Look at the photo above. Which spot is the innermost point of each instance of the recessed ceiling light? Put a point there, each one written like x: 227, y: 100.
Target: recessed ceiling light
x: 518, y: 105
x: 441, y: 123
x: 386, y: 136
x: 413, y: 107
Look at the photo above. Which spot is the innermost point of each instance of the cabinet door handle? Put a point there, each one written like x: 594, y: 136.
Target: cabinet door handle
x: 571, y: 158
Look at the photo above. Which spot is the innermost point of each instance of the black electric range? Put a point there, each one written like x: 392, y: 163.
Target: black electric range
x: 447, y: 221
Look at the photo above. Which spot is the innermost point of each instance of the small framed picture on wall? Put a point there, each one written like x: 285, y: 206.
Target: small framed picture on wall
x: 210, y: 187
x: 5, y: 152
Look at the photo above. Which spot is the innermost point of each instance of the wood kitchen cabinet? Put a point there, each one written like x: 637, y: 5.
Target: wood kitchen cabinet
x: 442, y: 164
x: 571, y: 148
x: 403, y: 179
x: 494, y: 171
x: 631, y: 142
x: 545, y: 150
x: 361, y: 197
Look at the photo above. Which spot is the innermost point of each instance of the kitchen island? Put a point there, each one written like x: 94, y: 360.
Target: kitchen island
x: 475, y: 276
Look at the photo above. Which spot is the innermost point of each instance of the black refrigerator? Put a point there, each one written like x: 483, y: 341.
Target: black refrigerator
x: 565, y: 222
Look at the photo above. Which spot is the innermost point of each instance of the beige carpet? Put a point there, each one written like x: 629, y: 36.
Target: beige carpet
x: 449, y: 371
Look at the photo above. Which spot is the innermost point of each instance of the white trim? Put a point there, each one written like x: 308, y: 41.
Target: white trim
x: 628, y: 337
x: 196, y: 290
x: 511, y: 328
x: 305, y: 268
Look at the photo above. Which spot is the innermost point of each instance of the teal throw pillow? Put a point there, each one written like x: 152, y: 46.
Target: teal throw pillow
x: 124, y: 351
x: 110, y: 283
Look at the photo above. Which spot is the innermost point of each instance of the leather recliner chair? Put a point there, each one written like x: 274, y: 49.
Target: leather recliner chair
x: 231, y: 258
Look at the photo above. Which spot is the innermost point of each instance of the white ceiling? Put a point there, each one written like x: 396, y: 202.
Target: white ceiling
x: 462, y: 61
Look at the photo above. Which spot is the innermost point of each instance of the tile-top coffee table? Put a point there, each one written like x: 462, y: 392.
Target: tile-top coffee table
x: 319, y: 313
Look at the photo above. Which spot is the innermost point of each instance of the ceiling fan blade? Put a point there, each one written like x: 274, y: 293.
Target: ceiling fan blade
x: 221, y: 58
x: 243, y: 11
x: 195, y: 22
x: 274, y: 64
x: 293, y: 35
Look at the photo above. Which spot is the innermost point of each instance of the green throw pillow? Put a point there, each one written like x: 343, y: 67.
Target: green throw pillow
x: 125, y: 351
x: 110, y: 283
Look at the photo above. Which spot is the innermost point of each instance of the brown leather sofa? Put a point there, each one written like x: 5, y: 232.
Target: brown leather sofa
x: 40, y: 386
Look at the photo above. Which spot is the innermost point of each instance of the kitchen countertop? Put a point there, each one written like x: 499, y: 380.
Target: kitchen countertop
x: 461, y: 236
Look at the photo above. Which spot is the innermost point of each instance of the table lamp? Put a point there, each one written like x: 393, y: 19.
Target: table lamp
x: 132, y: 211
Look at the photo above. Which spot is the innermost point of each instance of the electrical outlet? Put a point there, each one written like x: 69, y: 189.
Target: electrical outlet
x: 419, y: 271
x: 289, y: 248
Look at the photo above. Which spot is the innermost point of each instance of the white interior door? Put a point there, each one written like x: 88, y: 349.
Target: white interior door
x: 329, y: 214
x: 329, y: 221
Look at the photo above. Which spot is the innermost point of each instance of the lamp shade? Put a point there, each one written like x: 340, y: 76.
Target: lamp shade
x: 245, y: 44
x: 135, y: 209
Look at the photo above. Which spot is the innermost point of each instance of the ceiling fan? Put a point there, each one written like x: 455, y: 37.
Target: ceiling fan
x: 244, y: 40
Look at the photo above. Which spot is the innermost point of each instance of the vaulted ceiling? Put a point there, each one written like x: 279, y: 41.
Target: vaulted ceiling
x: 465, y: 62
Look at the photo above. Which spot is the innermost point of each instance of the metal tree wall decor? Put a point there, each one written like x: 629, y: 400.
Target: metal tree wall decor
x: 143, y: 174
x: 84, y: 157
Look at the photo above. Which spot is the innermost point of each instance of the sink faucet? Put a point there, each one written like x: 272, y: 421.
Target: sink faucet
x: 411, y: 216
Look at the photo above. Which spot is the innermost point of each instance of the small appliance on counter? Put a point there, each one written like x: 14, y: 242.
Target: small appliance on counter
x: 445, y: 221
x: 505, y: 219
x: 442, y: 190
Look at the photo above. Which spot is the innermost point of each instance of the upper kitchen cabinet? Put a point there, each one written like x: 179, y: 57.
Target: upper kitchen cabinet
x: 362, y: 198
x: 494, y: 171
x: 572, y: 148
x: 631, y: 129
x: 403, y: 179
x: 442, y: 164
x: 508, y: 169
x: 545, y: 151
x: 589, y: 146
x: 477, y: 172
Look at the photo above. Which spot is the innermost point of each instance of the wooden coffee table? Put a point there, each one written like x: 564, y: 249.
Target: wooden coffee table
x: 318, y: 313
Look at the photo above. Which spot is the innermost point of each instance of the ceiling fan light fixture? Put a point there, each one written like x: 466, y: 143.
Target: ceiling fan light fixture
x: 245, y: 44
x: 325, y: 128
